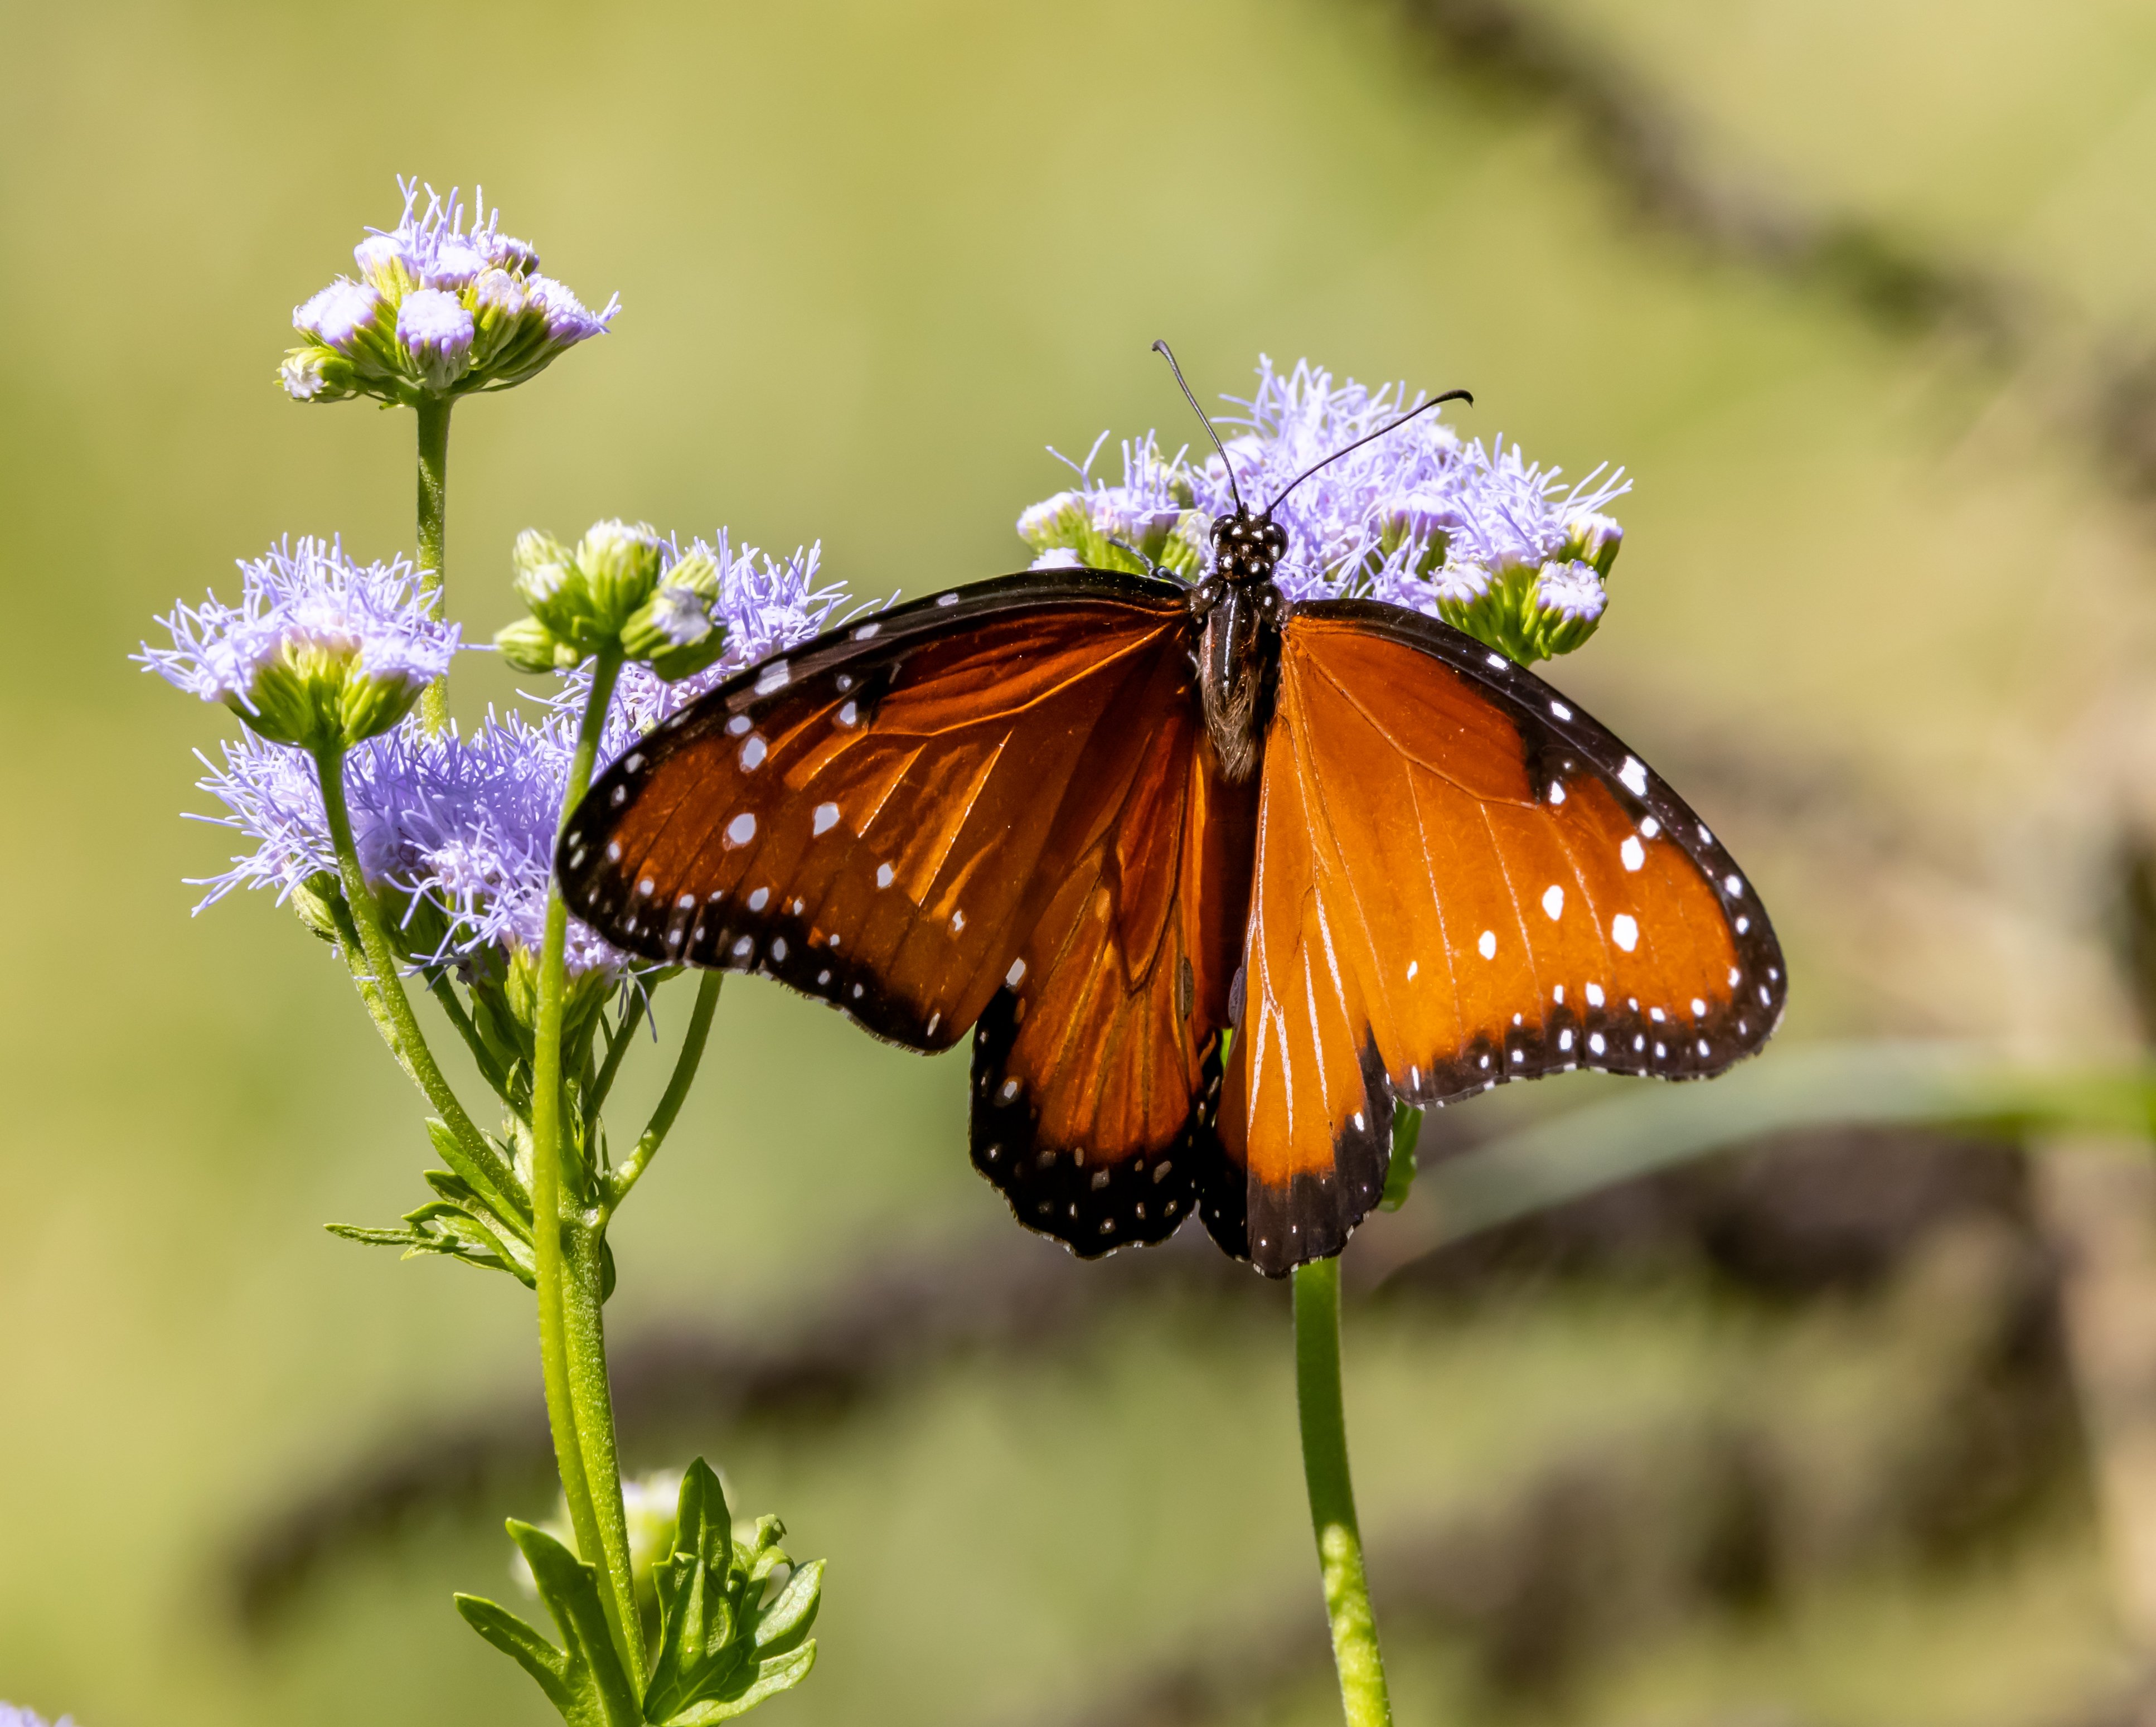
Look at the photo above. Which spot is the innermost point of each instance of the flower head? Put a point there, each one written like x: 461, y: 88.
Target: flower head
x: 1144, y: 522
x: 1494, y: 544
x: 456, y: 832
x: 435, y: 309
x: 680, y: 612
x: 319, y: 652
x: 757, y: 606
x: 14, y: 1715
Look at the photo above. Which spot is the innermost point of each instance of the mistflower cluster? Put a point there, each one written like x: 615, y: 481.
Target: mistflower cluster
x: 760, y: 605
x: 319, y: 652
x: 1477, y: 534
x: 13, y: 1715
x: 435, y: 309
x: 456, y: 832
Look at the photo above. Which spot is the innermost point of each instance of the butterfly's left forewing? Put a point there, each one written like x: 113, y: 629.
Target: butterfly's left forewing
x: 874, y: 818
x: 1460, y: 879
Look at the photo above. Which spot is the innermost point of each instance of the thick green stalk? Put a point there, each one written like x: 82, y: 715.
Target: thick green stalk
x: 677, y: 1089
x: 434, y: 413
x: 384, y: 991
x: 1362, y: 1697
x: 571, y: 1339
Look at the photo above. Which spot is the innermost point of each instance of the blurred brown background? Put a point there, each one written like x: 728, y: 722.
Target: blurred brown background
x: 1862, y: 293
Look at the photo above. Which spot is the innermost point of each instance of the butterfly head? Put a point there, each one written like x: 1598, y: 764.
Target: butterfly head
x: 1246, y: 548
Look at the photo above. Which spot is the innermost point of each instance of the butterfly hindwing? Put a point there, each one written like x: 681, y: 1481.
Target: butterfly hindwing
x: 1461, y: 880
x: 1096, y: 1068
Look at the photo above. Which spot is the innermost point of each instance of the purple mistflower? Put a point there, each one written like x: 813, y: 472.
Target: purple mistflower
x: 339, y: 314
x: 568, y: 320
x: 1420, y: 518
x: 468, y: 304
x: 1490, y: 507
x: 1099, y: 523
x: 437, y: 332
x: 14, y: 1715
x: 320, y: 650
x: 764, y: 605
x: 458, y: 832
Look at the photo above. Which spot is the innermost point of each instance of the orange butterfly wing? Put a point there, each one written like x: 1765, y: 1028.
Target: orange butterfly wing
x: 1460, y: 879
x: 999, y: 805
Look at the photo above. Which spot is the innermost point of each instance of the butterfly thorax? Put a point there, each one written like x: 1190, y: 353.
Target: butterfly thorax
x: 1240, y: 610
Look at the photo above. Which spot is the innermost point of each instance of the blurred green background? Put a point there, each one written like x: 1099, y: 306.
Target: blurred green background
x: 1860, y: 293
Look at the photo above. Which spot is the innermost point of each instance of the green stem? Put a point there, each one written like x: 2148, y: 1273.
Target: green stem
x: 571, y: 1338
x: 676, y: 1092
x: 1362, y: 1697
x: 446, y: 997
x: 434, y: 413
x: 393, y: 1008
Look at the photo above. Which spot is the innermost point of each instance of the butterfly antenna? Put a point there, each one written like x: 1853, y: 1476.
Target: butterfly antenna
x: 1168, y: 354
x: 1425, y: 407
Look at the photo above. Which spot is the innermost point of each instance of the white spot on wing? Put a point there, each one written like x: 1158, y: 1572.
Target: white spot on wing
x: 753, y: 753
x: 867, y: 631
x: 849, y: 715
x: 1560, y: 710
x: 1634, y: 774
x: 1413, y: 966
x: 1633, y: 852
x: 1554, y: 902
x: 826, y: 818
x: 1595, y: 1042
x: 884, y: 875
x: 1733, y: 886
x: 774, y: 677
x: 1624, y: 931
x: 1488, y: 946
x: 1016, y: 974
x: 742, y: 828
x: 1557, y: 791
x: 1594, y: 994
x: 738, y: 725
x: 946, y: 599
x: 758, y: 900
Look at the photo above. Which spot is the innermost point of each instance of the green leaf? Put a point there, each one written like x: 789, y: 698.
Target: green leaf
x: 584, y: 1679
x: 782, y: 1673
x: 723, y: 1649
x: 459, y: 1225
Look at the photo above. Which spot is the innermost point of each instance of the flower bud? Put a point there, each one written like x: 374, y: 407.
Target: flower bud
x: 529, y: 645
x: 316, y: 374
x: 545, y: 578
x: 1528, y: 612
x: 319, y: 652
x: 620, y: 565
x: 382, y: 261
x: 676, y: 630
x: 1592, y: 539
x: 339, y: 314
x: 1054, y: 523
x: 436, y: 331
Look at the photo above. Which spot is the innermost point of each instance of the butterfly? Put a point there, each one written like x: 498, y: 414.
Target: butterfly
x: 1214, y: 879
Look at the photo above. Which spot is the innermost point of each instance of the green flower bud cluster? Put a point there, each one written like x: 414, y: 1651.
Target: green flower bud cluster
x: 622, y: 588
x: 1529, y: 611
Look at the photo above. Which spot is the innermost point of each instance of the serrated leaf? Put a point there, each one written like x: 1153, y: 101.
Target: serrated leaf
x: 584, y: 1679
